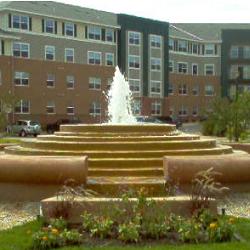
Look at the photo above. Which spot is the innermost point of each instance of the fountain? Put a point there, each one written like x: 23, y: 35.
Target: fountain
x: 121, y: 153
x: 119, y: 101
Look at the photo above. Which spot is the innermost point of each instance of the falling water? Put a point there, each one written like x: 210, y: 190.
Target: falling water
x: 119, y: 100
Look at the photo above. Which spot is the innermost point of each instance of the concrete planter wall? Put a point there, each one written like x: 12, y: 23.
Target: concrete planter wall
x: 32, y: 178
x: 233, y: 169
x: 180, y: 205
x: 240, y: 146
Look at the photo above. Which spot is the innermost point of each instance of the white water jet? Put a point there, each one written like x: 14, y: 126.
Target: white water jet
x: 119, y: 100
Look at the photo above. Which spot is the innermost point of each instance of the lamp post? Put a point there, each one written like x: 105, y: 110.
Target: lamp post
x: 236, y: 128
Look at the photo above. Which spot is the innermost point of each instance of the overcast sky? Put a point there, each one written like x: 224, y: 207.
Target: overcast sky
x: 234, y: 11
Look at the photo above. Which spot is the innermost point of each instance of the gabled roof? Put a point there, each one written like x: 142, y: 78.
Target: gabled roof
x: 61, y: 10
x: 206, y: 31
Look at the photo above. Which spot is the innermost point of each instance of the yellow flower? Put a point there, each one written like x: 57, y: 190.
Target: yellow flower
x: 231, y: 220
x: 54, y: 231
x: 213, y: 225
x: 44, y: 238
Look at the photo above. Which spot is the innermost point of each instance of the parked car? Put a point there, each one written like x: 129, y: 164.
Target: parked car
x: 170, y: 120
x: 52, y: 127
x: 148, y: 119
x: 24, y: 128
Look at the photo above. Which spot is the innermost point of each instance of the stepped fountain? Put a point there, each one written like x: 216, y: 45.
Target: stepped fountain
x: 121, y: 153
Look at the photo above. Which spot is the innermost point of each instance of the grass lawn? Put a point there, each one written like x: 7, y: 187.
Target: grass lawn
x: 19, y: 238
x: 9, y: 140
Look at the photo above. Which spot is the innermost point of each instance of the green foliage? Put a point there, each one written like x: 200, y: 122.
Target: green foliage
x: 129, y: 232
x: 102, y: 227
x: 55, y: 235
x: 230, y: 118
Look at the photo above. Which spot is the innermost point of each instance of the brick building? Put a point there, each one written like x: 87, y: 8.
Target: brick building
x: 59, y: 60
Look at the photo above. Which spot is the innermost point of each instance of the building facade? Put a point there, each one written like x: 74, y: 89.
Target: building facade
x: 58, y: 60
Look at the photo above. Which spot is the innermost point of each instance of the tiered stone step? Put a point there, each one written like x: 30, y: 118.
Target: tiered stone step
x: 105, y: 138
x: 115, y: 186
x: 119, y: 154
x: 120, y: 145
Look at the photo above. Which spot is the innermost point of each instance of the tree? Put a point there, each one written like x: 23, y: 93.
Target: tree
x: 229, y: 117
x: 8, y: 103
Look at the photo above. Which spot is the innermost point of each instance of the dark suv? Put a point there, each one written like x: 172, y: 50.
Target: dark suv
x: 52, y: 127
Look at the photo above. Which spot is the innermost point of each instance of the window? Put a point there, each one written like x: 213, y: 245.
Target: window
x: 182, y: 46
x: 246, y: 52
x: 155, y: 41
x: 50, y: 53
x: 109, y: 35
x: 155, y: 87
x: 155, y: 64
x: 170, y: 89
x: 70, y: 82
x: 94, y: 33
x: 20, y: 50
x: 182, y: 89
x: 171, y: 66
x: 49, y: 26
x: 69, y: 55
x: 195, y: 111
x: 246, y: 72
x: 94, y: 57
x: 156, y: 108
x: 234, y: 71
x: 134, y: 85
x: 171, y: 44
x: 182, y: 68
x: 209, y: 90
x: 21, y: 79
x: 195, y: 48
x: 234, y: 52
x: 95, y: 109
x: 50, y: 81
x: 70, y: 110
x: 195, y: 90
x: 69, y: 29
x: 20, y: 22
x: 209, y: 49
x: 209, y: 69
x: 136, y: 107
x: 194, y: 69
x: 183, y: 111
x: 95, y: 83
x: 109, y: 59
x: 134, y: 62
x: 50, y: 108
x: 134, y: 38
x: 22, y: 107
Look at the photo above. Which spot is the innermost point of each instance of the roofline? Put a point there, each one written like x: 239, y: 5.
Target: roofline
x: 59, y: 17
x: 186, y: 32
x: 197, y: 41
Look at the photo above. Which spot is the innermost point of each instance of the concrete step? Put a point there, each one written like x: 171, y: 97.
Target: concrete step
x: 118, y: 128
x: 124, y: 145
x: 87, y: 138
x: 119, y: 154
x: 115, y: 134
x: 132, y: 163
x: 155, y: 171
x: 116, y: 186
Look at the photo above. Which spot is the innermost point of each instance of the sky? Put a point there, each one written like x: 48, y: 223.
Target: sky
x: 196, y: 11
